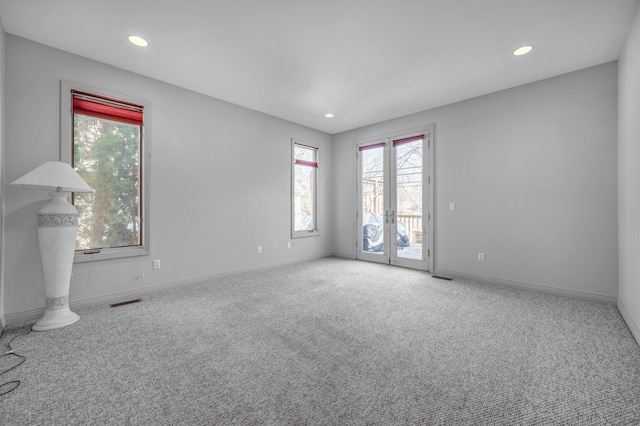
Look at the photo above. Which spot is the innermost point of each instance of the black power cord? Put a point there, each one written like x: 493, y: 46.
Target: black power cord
x: 12, y: 384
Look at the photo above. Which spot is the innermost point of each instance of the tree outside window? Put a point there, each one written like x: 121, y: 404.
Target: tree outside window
x: 106, y: 154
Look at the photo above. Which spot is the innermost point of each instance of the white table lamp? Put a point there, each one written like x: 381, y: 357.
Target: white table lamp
x: 57, y: 232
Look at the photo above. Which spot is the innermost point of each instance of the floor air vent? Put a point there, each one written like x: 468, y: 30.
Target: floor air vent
x: 128, y: 302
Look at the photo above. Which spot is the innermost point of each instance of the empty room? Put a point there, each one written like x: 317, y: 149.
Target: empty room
x: 320, y: 212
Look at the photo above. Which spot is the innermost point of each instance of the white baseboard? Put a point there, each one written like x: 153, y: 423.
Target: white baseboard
x: 633, y: 327
x: 541, y: 288
x: 344, y: 256
x: 34, y: 314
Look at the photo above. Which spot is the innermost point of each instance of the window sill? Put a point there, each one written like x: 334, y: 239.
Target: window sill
x: 305, y: 234
x: 107, y: 254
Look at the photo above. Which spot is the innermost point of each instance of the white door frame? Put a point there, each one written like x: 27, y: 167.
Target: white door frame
x: 389, y: 254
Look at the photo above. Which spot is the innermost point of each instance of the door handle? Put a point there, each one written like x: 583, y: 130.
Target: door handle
x: 393, y: 217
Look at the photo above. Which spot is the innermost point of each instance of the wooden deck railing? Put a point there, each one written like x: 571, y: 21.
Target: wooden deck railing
x: 413, y: 225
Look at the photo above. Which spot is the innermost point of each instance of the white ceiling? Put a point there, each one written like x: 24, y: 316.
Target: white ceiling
x: 363, y: 60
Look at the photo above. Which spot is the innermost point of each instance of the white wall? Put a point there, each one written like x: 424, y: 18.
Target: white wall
x: 629, y: 178
x: 2, y: 130
x: 219, y: 186
x: 532, y: 171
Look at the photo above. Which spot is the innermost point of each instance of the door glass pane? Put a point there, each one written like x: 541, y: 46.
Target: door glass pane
x: 409, y: 196
x: 372, y: 181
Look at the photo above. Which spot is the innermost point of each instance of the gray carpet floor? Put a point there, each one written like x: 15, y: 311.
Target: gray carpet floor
x: 330, y: 342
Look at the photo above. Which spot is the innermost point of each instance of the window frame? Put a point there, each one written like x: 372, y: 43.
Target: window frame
x: 66, y: 155
x: 316, y: 190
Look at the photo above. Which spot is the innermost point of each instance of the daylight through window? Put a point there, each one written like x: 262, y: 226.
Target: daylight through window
x: 305, y: 176
x: 107, y: 154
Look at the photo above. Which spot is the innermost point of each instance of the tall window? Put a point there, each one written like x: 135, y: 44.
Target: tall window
x: 107, y: 136
x: 305, y: 190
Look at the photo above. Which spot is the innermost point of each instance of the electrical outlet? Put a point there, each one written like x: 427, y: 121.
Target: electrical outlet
x: 452, y: 207
x: 259, y: 249
x: 156, y: 264
x: 289, y: 245
x: 480, y: 257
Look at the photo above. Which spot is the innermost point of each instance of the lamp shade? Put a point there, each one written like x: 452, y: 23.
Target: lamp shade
x: 51, y: 176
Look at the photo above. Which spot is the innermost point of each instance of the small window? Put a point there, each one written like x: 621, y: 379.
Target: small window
x: 106, y: 147
x: 305, y: 191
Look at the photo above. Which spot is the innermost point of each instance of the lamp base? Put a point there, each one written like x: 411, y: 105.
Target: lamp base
x: 55, y: 318
x: 57, y: 230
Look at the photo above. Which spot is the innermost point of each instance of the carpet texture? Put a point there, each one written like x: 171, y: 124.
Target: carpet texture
x: 331, y: 342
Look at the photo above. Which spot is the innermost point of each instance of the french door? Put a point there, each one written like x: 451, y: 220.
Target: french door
x: 394, y: 200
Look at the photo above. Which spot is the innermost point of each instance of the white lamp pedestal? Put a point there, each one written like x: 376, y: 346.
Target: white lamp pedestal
x: 57, y: 231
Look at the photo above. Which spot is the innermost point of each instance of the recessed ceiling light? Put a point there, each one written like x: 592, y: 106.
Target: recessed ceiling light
x: 329, y: 115
x: 522, y: 50
x: 138, y: 41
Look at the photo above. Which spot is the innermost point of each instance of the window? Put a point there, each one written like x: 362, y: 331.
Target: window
x: 103, y: 139
x: 305, y: 191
